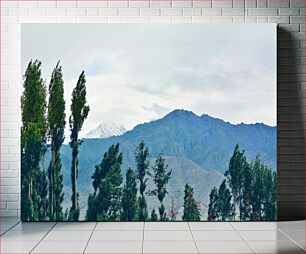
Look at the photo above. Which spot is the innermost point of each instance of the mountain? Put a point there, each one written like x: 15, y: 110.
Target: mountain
x: 205, y: 142
x: 106, y: 130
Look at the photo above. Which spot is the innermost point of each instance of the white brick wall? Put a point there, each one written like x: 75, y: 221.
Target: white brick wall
x: 288, y: 13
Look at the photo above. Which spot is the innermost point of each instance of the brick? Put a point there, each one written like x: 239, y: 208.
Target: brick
x: 9, y: 213
x: 128, y: 12
x: 279, y: 20
x: 278, y: 3
x: 108, y: 11
x: 262, y: 12
x: 211, y: 11
x: 47, y: 4
x: 159, y: 19
x: 297, y: 3
x: 9, y: 173
x: 192, y: 11
x: 179, y: 19
x: 250, y: 19
x: 222, y: 19
x: 160, y: 4
x: 9, y: 4
x: 92, y: 11
x: 172, y: 11
x: 76, y: 11
x: 66, y: 4
x: 238, y: 3
x: 202, y: 3
x: 201, y: 19
x: 233, y: 12
x: 222, y: 3
x: 13, y: 205
x: 118, y: 4
x: 289, y: 11
x: 117, y: 19
x: 91, y: 19
x: 262, y: 4
x: 149, y: 12
x: 262, y: 19
x: 92, y: 4
x: 139, y: 4
x: 57, y: 12
x: 238, y: 19
x: 181, y: 4
x: 250, y: 3
x: 138, y: 19
x: 297, y: 20
x: 9, y: 197
x: 3, y: 205
x: 18, y: 12
x: 38, y: 11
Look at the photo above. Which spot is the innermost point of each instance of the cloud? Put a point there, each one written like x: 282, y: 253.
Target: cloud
x: 139, y: 72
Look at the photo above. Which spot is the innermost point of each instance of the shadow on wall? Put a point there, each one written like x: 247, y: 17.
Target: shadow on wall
x: 290, y: 129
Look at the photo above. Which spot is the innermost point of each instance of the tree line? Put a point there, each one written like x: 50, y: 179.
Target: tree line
x: 43, y: 126
x: 248, y: 193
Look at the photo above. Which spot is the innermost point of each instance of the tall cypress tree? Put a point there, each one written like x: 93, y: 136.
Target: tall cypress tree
x: 191, y: 207
x: 105, y: 202
x: 56, y: 124
x: 234, y: 175
x: 79, y: 112
x: 142, y: 162
x: 213, y: 211
x: 225, y: 207
x: 161, y: 178
x: 33, y: 132
x: 129, y: 198
x: 153, y: 216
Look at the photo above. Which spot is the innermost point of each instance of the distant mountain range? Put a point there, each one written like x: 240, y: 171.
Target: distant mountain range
x: 197, y: 148
x: 106, y: 130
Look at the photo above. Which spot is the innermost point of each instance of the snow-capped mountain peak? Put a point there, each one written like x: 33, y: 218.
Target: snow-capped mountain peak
x: 105, y: 130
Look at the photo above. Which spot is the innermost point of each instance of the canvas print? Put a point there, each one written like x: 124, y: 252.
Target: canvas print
x: 148, y: 122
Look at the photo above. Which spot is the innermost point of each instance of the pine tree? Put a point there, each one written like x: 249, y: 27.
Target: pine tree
x: 79, y: 112
x: 234, y: 175
x: 142, y: 162
x: 33, y: 141
x: 269, y: 202
x: 105, y: 202
x: 154, y: 216
x: 213, y: 209
x: 129, y: 198
x: 191, y: 207
x: 226, y: 208
x: 56, y: 124
x: 161, y: 178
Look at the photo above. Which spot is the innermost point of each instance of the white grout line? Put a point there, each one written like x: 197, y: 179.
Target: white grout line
x: 90, y: 237
x: 247, y: 243
x: 43, y: 237
x: 193, y: 238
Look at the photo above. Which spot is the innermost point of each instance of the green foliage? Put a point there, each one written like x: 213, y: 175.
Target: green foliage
x: 161, y: 178
x: 154, y: 216
x: 191, y: 207
x: 79, y: 112
x: 106, y: 201
x: 213, y: 205
x: 172, y: 210
x: 142, y: 162
x: 56, y: 124
x: 33, y: 144
x: 129, y: 197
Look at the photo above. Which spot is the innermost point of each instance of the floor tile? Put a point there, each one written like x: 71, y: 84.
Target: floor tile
x: 169, y: 247
x: 17, y: 247
x: 253, y: 225
x: 69, y: 236
x: 216, y: 236
x: 23, y: 236
x: 107, y: 236
x: 166, y: 226
x: 297, y: 236
x: 33, y: 226
x: 60, y: 247
x: 276, y: 247
x: 70, y: 226
x: 114, y: 247
x: 290, y: 225
x: 211, y: 226
x: 273, y: 235
x: 167, y: 236
x: 120, y: 226
x: 223, y: 247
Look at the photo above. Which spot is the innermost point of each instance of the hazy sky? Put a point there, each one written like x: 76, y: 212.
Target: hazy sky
x: 140, y: 72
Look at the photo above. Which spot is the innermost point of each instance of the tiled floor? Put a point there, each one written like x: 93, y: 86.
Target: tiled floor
x: 152, y: 237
